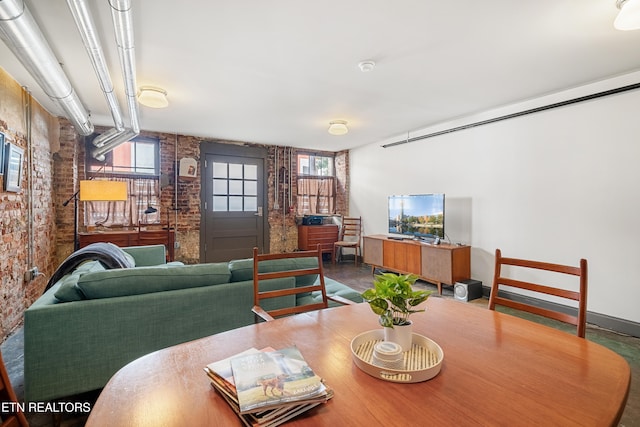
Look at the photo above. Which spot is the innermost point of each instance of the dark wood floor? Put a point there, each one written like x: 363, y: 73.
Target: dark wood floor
x: 360, y: 277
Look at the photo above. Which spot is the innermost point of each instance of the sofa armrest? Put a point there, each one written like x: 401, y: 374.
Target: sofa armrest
x: 149, y: 255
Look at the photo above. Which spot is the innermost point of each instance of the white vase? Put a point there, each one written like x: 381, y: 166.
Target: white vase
x: 401, y: 335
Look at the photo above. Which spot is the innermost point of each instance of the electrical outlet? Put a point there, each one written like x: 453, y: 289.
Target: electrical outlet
x: 176, y: 245
x: 31, y: 274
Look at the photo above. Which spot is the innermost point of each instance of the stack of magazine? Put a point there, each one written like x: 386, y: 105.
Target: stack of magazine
x: 268, y: 387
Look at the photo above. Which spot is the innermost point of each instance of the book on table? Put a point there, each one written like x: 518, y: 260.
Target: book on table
x: 267, y: 387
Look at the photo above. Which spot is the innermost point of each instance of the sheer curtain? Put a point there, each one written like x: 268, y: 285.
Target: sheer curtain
x: 316, y: 195
x: 142, y: 194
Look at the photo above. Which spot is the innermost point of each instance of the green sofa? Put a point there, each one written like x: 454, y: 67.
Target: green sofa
x: 93, y: 321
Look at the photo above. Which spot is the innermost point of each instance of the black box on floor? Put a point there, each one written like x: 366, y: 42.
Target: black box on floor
x: 467, y: 290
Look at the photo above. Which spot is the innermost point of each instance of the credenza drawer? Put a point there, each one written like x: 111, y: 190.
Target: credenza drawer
x: 310, y: 236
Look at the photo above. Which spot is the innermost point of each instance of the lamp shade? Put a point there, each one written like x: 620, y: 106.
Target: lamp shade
x: 338, y: 127
x: 629, y: 16
x: 98, y: 191
x: 153, y: 97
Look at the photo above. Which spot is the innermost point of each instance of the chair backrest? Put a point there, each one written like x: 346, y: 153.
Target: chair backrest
x: 351, y: 229
x: 259, y: 296
x: 11, y: 417
x: 580, y: 320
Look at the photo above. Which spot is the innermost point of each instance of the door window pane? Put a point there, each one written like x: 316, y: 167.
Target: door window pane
x: 250, y: 204
x: 219, y: 170
x: 250, y: 172
x: 220, y: 203
x: 235, y: 187
x: 250, y: 188
x: 235, y: 203
x: 235, y: 171
x: 219, y: 186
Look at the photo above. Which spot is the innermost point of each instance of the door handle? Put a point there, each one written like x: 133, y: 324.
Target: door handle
x: 259, y: 213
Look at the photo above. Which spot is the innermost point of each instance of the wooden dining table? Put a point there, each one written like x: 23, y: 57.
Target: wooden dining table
x: 497, y: 369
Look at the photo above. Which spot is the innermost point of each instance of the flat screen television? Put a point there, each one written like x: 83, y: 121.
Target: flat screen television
x: 418, y: 215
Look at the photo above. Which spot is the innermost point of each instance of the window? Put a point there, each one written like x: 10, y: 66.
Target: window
x: 140, y: 156
x: 316, y: 184
x: 235, y: 187
x: 315, y: 165
x: 137, y: 163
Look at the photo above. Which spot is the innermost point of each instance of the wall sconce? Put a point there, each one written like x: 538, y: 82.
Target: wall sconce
x: 153, y: 97
x: 629, y: 16
x: 338, y: 127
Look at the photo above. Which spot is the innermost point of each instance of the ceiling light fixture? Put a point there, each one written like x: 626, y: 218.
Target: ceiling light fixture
x: 338, y: 127
x: 629, y: 16
x: 366, y: 66
x: 153, y: 97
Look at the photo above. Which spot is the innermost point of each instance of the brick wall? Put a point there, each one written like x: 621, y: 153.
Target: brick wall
x: 282, y: 221
x: 27, y: 218
x: 183, y: 201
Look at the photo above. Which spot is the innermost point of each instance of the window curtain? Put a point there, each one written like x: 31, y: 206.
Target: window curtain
x: 143, y: 193
x: 316, y: 195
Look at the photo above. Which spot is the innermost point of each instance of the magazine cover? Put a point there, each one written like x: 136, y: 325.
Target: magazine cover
x: 268, y: 379
x: 222, y: 368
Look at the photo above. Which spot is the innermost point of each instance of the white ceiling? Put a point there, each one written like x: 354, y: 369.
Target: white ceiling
x: 276, y: 72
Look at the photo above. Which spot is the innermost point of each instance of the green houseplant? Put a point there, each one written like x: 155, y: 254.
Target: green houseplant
x: 393, y: 298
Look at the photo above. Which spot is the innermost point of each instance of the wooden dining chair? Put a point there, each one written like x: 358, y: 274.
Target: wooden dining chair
x: 12, y: 417
x: 500, y: 279
x: 261, y: 273
x: 350, y: 236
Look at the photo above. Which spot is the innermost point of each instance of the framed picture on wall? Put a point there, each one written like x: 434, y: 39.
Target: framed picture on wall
x: 1, y: 153
x: 14, y: 157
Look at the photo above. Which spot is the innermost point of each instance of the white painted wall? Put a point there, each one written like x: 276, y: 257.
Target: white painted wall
x: 555, y: 186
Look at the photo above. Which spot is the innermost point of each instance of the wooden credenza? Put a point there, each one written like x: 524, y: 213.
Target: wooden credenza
x: 140, y: 237
x: 439, y: 264
x: 309, y: 236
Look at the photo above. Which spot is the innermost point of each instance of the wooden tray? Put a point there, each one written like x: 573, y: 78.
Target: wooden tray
x: 421, y: 363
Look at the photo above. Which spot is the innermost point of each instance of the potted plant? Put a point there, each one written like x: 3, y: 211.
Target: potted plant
x: 394, y: 300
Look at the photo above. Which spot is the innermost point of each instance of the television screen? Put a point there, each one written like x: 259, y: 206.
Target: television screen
x: 419, y: 215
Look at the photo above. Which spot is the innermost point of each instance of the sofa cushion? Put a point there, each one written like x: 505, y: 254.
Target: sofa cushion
x: 143, y: 280
x: 148, y: 255
x: 67, y: 291
x: 242, y: 269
